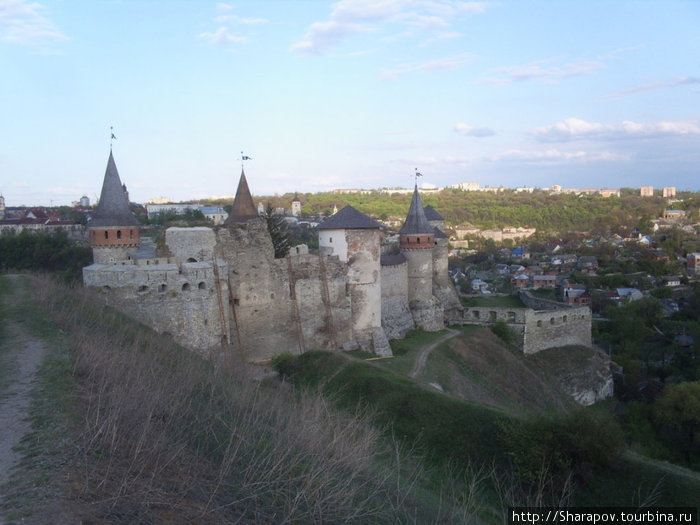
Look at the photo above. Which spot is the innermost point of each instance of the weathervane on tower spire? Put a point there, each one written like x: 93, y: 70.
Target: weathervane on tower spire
x: 112, y: 137
x: 416, y: 177
x: 243, y: 158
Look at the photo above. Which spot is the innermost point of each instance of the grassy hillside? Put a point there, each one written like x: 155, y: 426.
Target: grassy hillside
x: 128, y: 427
x: 500, y: 409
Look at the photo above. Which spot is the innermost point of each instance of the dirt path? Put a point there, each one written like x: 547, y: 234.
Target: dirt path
x: 425, y: 352
x: 22, y: 356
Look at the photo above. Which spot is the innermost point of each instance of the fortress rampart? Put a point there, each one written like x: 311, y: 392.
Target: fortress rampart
x: 537, y: 329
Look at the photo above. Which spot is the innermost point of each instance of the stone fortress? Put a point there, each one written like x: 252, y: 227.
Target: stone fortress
x: 220, y: 289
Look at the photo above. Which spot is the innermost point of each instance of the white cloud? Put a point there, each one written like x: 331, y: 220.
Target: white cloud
x: 542, y: 71
x: 26, y: 24
x: 227, y: 19
x: 554, y: 156
x: 350, y: 17
x: 652, y: 86
x: 471, y: 131
x: 222, y: 36
x: 439, y: 64
x: 575, y: 129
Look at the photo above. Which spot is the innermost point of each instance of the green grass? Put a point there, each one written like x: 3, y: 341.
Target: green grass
x: 498, y: 301
x: 444, y: 429
x: 636, y: 480
x: 448, y: 431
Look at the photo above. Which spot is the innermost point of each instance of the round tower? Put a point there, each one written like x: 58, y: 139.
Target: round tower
x: 114, y: 231
x: 417, y: 240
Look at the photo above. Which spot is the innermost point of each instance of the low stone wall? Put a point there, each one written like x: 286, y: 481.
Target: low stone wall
x: 537, y: 329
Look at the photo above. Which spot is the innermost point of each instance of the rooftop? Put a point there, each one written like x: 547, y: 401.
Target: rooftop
x: 348, y: 218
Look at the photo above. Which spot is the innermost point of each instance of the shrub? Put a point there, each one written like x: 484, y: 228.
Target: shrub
x: 501, y: 329
x: 559, y: 445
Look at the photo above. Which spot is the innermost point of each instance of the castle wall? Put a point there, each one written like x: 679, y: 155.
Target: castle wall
x: 178, y: 301
x: 552, y: 328
x: 538, y: 329
x: 191, y: 243
x: 283, y: 305
x: 396, y: 316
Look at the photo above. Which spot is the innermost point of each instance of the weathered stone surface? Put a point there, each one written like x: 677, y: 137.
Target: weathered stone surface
x: 396, y: 316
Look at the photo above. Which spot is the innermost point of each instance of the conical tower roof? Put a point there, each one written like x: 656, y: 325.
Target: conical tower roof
x: 348, y: 219
x: 416, y: 222
x: 113, y: 208
x: 243, y: 207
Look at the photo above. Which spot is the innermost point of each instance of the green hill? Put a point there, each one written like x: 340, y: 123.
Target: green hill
x: 128, y: 427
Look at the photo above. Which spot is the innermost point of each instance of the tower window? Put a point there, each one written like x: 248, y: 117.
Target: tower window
x: 106, y: 234
x: 119, y: 234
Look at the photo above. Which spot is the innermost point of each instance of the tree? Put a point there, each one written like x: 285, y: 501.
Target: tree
x: 277, y: 227
x: 679, y: 408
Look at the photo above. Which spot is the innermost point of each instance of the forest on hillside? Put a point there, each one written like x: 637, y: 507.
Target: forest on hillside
x: 539, y: 209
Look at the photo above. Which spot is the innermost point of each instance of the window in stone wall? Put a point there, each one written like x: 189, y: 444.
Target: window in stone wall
x: 539, y: 324
x: 476, y: 314
x: 551, y: 321
x: 492, y: 316
x: 119, y: 234
x: 162, y: 288
x: 143, y: 288
x: 564, y: 318
x: 185, y: 287
x: 202, y: 286
x: 191, y: 259
x: 106, y: 234
x: 511, y: 317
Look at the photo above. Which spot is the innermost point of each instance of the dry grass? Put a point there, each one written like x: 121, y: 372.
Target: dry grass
x: 484, y: 371
x: 170, y: 437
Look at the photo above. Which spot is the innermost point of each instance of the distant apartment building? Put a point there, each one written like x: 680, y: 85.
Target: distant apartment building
x: 466, y: 186
x: 607, y: 192
x: 646, y: 191
x: 669, y: 192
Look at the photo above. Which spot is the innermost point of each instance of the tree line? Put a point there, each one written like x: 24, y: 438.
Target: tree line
x: 44, y: 252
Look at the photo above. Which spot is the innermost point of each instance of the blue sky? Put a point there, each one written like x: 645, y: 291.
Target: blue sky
x: 347, y: 94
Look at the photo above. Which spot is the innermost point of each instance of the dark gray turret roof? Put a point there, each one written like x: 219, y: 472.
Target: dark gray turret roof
x: 416, y: 221
x: 113, y: 208
x: 432, y: 215
x: 244, y: 208
x: 348, y: 219
x: 439, y: 234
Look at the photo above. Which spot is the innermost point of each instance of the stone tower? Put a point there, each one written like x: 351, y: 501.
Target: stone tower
x: 296, y: 206
x: 417, y: 240
x: 114, y: 230
x: 443, y: 288
x: 2, y: 207
x: 355, y: 239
